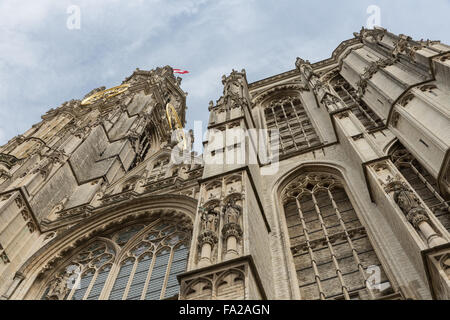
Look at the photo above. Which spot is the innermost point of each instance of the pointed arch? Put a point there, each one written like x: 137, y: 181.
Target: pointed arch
x: 127, y: 271
x: 328, y: 244
x: 82, y: 274
x: 180, y: 210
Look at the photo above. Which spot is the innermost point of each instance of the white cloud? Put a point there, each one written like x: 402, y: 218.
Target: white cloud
x: 42, y: 63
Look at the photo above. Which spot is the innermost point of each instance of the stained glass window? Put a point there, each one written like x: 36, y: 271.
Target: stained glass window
x: 144, y: 265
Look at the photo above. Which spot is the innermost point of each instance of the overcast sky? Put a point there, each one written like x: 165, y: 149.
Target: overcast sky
x: 44, y: 63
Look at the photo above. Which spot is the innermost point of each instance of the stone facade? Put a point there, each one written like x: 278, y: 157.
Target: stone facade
x: 351, y: 204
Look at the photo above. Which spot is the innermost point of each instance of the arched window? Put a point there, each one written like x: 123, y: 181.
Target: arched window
x: 422, y: 182
x: 333, y: 256
x: 360, y: 109
x: 289, y: 117
x: 84, y: 277
x: 144, y: 265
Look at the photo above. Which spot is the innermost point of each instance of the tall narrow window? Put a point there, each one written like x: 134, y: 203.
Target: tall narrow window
x: 359, y: 108
x: 145, y: 268
x: 422, y: 182
x: 296, y: 131
x: 333, y: 256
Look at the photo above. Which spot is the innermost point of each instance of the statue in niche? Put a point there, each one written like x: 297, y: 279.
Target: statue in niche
x: 210, y: 220
x: 232, y: 212
x: 407, y: 202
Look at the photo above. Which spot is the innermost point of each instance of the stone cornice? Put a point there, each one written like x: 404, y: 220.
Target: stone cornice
x: 88, y: 227
x: 317, y: 65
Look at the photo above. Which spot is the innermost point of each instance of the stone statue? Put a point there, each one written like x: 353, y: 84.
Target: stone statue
x: 232, y: 212
x: 408, y: 202
x: 210, y: 219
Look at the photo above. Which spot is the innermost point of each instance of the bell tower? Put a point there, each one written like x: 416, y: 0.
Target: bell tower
x: 228, y: 256
x: 54, y: 174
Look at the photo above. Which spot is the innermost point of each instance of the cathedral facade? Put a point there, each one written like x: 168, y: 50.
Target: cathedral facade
x: 328, y: 181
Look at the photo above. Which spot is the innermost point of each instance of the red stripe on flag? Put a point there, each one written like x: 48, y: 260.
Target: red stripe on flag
x: 180, y: 71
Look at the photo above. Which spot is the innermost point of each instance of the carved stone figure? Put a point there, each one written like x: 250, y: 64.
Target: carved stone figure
x: 407, y: 202
x: 210, y: 220
x: 312, y: 182
x: 58, y: 288
x: 232, y: 212
x: 304, y: 66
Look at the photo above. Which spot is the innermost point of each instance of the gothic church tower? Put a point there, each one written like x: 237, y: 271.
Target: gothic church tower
x: 347, y: 199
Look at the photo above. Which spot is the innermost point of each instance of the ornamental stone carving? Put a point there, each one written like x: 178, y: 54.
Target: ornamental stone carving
x: 208, y: 235
x: 304, y: 66
x: 231, y: 230
x: 370, y: 35
x: 57, y: 290
x: 407, y: 201
x: 8, y: 160
x: 361, y: 86
x: 405, y: 45
x: 209, y: 220
x: 232, y: 212
x: 369, y: 71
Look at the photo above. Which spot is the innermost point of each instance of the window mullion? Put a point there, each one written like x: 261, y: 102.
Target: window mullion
x: 330, y: 248
x: 310, y: 250
x: 149, y: 275
x: 350, y: 243
x: 166, y: 277
x: 74, y: 288
x: 109, y: 282
x: 361, y: 109
x: 130, y: 279
x: 289, y: 125
x: 88, y: 290
x: 278, y: 127
x: 300, y: 123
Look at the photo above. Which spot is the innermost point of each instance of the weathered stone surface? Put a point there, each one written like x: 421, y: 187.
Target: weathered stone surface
x: 355, y: 205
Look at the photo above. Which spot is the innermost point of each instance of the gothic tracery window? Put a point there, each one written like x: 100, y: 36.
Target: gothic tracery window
x: 138, y: 262
x: 422, y: 182
x: 359, y: 108
x: 333, y: 256
x: 295, y: 129
x: 85, y: 276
